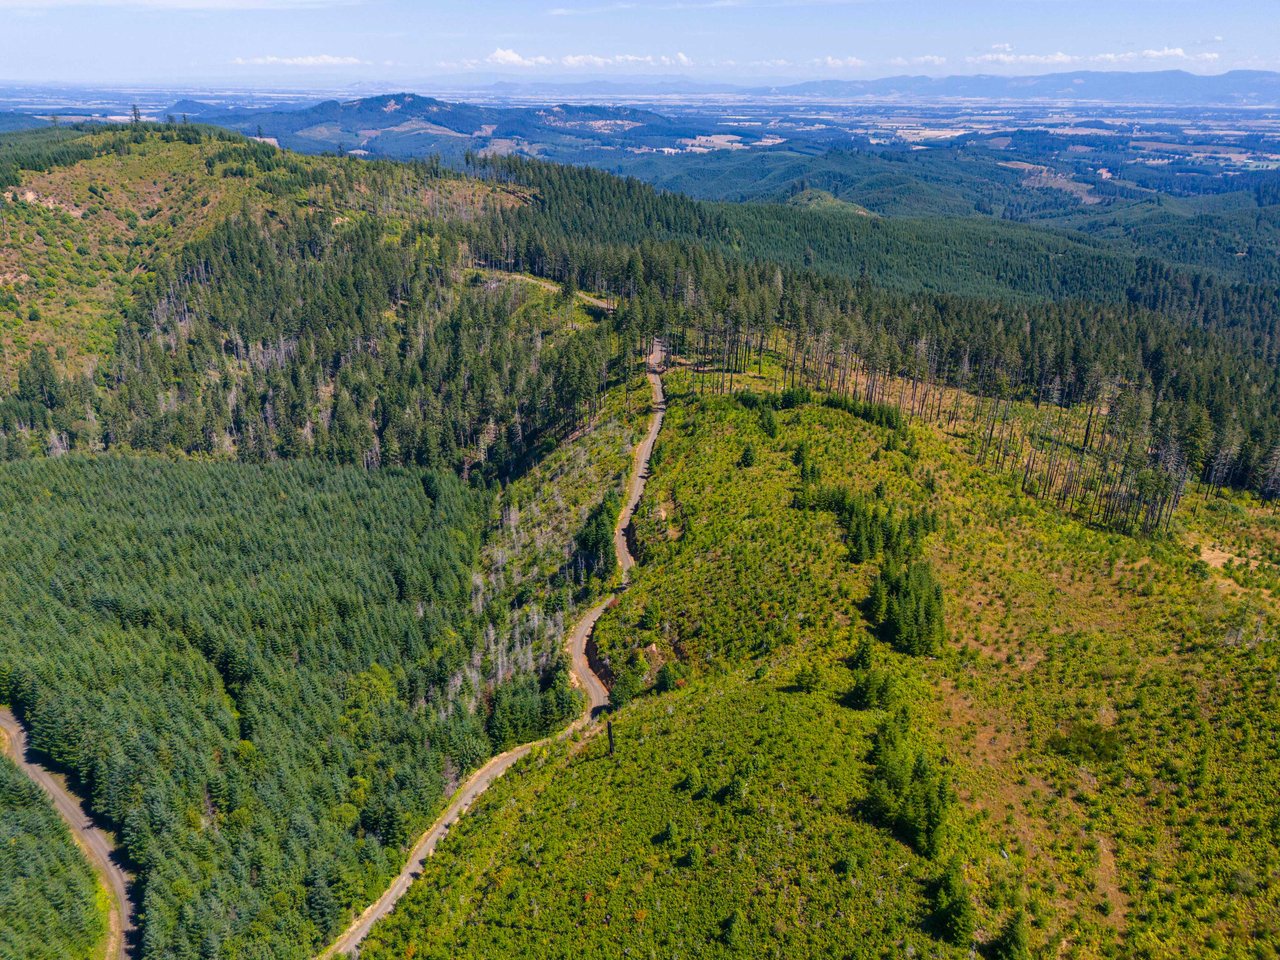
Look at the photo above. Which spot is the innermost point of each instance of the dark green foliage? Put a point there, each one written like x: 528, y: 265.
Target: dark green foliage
x: 878, y: 414
x: 41, y: 150
x: 254, y: 673
x: 953, y: 912
x: 48, y: 894
x: 768, y: 422
x: 872, y: 529
x: 403, y: 375
x: 1013, y: 941
x: 810, y: 472
x: 874, y: 687
x: 1087, y: 742
x: 907, y: 793
x: 595, y: 556
x: 629, y: 682
x: 528, y: 707
x: 906, y: 603
x: 748, y: 458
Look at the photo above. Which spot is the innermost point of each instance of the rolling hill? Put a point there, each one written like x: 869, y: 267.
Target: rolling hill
x: 409, y: 125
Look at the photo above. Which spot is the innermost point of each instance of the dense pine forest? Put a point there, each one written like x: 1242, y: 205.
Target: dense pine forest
x: 49, y: 898
x: 261, y: 676
x: 267, y: 424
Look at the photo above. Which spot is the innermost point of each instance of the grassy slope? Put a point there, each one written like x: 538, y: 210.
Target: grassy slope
x: 73, y: 239
x: 1166, y: 849
x: 70, y: 255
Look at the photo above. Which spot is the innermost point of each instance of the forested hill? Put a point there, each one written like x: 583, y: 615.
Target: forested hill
x: 1196, y: 354
x: 265, y: 677
x: 203, y: 293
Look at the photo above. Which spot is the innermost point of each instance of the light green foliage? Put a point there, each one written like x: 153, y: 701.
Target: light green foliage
x: 728, y: 822
x: 722, y: 828
x: 1052, y: 627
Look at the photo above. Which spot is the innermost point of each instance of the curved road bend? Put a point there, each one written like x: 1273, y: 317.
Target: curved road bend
x: 597, y: 694
x: 97, y: 846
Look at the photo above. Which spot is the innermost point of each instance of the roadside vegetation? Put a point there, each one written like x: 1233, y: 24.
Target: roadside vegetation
x: 50, y: 900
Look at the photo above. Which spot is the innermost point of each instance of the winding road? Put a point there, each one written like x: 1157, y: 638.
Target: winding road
x: 97, y: 845
x: 596, y: 693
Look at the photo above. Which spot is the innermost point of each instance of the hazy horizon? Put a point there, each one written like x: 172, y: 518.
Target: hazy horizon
x: 306, y: 44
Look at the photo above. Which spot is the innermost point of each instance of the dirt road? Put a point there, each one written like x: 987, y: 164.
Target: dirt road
x: 97, y: 846
x: 596, y: 693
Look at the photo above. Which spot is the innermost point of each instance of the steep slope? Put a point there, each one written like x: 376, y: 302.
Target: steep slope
x: 278, y: 719
x: 595, y: 695
x: 1078, y: 710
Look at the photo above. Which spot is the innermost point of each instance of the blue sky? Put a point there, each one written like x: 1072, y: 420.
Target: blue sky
x: 384, y: 42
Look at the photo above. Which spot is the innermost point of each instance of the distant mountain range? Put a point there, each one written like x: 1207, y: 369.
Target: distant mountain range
x: 1164, y: 87
x: 1154, y: 88
x: 596, y: 122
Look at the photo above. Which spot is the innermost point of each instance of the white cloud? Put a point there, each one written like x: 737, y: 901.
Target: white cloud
x: 840, y: 63
x: 585, y: 60
x: 1164, y: 53
x: 502, y: 57
x: 1015, y: 59
x: 580, y: 61
x: 315, y: 60
x: 1005, y: 57
x: 926, y: 60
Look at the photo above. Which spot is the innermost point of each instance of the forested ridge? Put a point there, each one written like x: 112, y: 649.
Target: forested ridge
x: 1196, y: 354
x: 302, y: 330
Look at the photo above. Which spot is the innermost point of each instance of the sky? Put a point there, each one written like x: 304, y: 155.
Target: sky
x: 306, y: 43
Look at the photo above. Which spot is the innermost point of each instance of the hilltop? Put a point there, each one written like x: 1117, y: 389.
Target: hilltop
x: 410, y: 125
